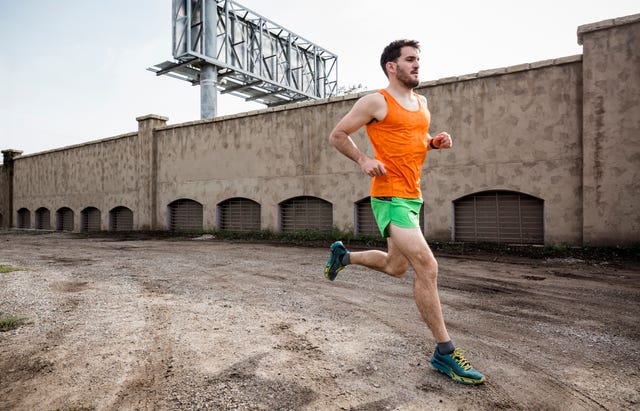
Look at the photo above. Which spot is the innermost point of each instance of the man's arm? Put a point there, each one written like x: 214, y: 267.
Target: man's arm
x: 441, y: 140
x: 366, y: 109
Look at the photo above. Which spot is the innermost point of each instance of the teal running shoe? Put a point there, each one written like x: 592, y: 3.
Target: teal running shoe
x: 334, y: 264
x: 456, y: 367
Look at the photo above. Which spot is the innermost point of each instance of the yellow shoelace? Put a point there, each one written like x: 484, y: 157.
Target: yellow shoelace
x: 458, y: 356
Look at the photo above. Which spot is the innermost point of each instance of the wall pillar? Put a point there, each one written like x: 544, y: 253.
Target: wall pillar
x: 6, y: 188
x: 146, y: 210
x: 610, y: 139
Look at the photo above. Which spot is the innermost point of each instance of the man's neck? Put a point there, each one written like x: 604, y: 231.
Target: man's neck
x: 403, y: 95
x: 400, y: 90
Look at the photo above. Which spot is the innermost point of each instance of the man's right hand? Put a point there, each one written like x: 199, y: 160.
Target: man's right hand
x: 373, y: 167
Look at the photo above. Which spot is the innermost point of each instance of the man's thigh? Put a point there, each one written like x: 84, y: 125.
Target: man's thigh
x: 409, y: 244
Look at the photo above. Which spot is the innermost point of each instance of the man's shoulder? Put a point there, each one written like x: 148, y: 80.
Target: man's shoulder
x: 372, y: 105
x: 374, y: 95
x: 373, y: 99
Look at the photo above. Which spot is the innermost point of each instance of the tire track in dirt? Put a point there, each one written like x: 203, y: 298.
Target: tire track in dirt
x: 558, y: 393
x: 147, y: 387
x: 430, y: 380
x: 526, y: 306
x: 30, y: 365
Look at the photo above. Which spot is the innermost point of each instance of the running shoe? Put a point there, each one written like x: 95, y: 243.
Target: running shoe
x: 457, y: 367
x: 334, y: 264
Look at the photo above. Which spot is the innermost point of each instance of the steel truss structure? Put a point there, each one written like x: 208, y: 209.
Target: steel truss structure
x: 254, y: 58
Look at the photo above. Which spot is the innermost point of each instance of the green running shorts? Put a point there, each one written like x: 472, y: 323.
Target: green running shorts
x: 403, y: 212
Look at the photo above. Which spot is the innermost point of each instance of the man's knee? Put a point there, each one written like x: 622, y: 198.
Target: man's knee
x: 426, y: 267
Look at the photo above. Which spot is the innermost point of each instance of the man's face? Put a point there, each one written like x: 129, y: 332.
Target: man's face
x: 408, y: 67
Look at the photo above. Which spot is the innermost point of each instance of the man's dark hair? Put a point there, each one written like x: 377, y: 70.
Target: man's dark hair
x: 392, y: 52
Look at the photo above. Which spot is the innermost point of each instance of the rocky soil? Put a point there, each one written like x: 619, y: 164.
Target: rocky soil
x: 166, y: 324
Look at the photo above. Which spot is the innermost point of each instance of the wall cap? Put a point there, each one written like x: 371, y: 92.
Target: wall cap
x: 606, y: 24
x: 152, y: 117
x: 88, y: 143
x: 503, y: 70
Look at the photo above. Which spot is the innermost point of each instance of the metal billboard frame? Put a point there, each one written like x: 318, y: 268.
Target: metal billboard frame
x: 247, y: 55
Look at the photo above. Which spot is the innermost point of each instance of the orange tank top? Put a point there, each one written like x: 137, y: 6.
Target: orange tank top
x: 400, y: 142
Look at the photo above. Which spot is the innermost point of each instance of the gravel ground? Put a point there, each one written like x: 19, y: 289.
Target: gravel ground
x: 208, y: 325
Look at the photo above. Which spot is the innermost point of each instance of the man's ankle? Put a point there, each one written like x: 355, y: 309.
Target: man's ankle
x: 445, y: 348
x: 346, y: 258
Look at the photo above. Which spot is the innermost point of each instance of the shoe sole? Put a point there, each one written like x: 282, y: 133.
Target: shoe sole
x: 329, y: 265
x: 326, y: 273
x: 448, y: 371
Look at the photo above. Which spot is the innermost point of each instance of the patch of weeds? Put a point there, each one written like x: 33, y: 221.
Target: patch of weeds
x: 8, y: 268
x: 315, y: 238
x: 11, y: 323
x: 305, y: 238
x: 77, y: 408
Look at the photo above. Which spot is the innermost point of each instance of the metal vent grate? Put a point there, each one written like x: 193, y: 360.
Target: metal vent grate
x: 239, y: 214
x: 90, y: 220
x: 185, y: 214
x: 24, y: 218
x: 499, y: 217
x: 306, y: 214
x: 64, y: 219
x: 120, y: 219
x: 43, y: 219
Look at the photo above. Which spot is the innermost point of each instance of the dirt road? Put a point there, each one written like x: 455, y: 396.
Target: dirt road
x: 195, y: 325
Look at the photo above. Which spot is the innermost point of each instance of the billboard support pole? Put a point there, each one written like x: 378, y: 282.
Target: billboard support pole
x: 208, y: 72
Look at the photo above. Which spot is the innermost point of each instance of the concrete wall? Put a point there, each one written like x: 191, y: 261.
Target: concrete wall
x: 101, y: 174
x: 611, y: 176
x: 564, y: 131
x: 514, y: 129
x: 267, y: 156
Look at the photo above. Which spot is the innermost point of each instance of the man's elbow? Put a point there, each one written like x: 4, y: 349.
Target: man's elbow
x: 333, y: 139
x: 336, y: 137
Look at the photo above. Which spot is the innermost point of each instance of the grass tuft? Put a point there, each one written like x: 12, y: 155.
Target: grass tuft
x: 8, y: 268
x: 77, y: 408
x: 11, y: 323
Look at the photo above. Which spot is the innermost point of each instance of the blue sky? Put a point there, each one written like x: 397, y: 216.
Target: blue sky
x: 73, y: 71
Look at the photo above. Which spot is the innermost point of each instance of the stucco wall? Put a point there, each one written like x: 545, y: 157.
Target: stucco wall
x: 267, y: 156
x: 101, y: 174
x: 516, y: 130
x: 612, y: 130
x: 512, y: 130
x: 565, y: 131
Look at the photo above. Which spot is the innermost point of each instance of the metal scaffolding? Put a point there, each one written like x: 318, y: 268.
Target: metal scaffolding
x: 222, y: 45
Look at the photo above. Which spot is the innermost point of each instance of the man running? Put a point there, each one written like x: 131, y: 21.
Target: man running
x: 397, y: 123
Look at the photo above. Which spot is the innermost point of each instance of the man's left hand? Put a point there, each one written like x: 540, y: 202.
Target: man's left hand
x: 443, y: 140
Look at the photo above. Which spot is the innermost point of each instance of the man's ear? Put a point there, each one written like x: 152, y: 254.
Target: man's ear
x: 391, y: 67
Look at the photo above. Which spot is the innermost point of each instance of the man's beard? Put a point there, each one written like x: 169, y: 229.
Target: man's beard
x: 406, y: 79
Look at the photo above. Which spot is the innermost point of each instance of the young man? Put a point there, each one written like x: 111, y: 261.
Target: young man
x: 397, y: 123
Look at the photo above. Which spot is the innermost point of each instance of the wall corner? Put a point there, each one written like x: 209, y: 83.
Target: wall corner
x: 148, y: 170
x: 6, y: 187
